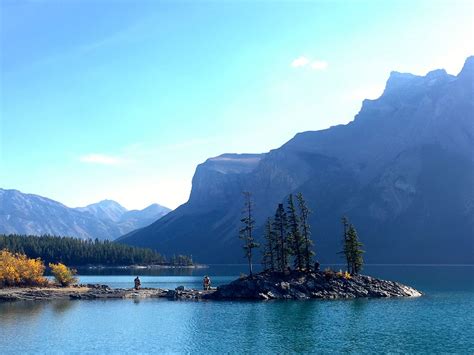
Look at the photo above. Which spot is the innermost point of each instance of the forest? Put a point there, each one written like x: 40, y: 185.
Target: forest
x: 82, y: 252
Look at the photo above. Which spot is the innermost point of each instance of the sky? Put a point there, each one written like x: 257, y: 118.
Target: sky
x: 123, y: 99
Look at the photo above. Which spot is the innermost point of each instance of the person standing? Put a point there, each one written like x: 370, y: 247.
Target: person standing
x: 206, y: 283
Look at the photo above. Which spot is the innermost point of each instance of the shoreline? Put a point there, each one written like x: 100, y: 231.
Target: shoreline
x: 140, y: 267
x: 263, y: 286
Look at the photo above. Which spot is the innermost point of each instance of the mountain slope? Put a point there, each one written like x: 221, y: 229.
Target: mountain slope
x: 106, y: 209
x: 111, y: 211
x: 36, y: 215
x: 403, y: 171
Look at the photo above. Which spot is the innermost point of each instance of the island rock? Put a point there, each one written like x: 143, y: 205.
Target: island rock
x: 300, y: 285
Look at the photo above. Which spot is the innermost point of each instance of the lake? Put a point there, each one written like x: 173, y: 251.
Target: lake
x: 442, y: 321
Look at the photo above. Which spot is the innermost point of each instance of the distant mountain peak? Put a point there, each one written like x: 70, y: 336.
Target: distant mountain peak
x: 402, y: 170
x: 31, y: 214
x: 108, y: 202
x: 436, y: 73
x: 468, y: 68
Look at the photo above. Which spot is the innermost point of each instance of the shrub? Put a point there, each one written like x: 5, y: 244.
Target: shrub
x: 18, y: 270
x: 343, y: 275
x: 328, y: 273
x: 63, y: 275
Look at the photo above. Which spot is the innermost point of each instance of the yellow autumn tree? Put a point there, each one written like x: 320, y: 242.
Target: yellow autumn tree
x: 63, y: 275
x: 18, y: 270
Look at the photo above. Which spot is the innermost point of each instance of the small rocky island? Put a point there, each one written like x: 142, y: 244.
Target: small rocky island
x: 301, y: 285
x: 263, y: 286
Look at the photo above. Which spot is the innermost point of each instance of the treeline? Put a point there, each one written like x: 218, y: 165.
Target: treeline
x: 287, y: 238
x: 80, y: 252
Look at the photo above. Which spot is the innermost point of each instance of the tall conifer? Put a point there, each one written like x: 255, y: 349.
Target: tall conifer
x: 295, y: 238
x: 269, y: 257
x: 304, y: 212
x: 280, y: 227
x: 246, y: 232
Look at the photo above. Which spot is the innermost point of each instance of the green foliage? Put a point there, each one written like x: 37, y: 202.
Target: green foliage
x: 288, y: 235
x: 269, y: 259
x: 80, y: 252
x: 280, y: 227
x: 295, y: 239
x: 352, y: 248
x: 246, y: 232
x: 305, y: 228
x: 181, y: 260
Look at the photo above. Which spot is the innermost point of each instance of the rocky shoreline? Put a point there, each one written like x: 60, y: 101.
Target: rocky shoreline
x: 91, y: 292
x: 262, y: 286
x: 319, y: 285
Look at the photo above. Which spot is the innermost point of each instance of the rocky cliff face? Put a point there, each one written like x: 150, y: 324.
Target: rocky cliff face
x: 36, y: 215
x: 403, y: 172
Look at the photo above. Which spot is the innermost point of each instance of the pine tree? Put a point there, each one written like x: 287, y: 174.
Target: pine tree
x: 356, y: 258
x: 352, y: 248
x: 305, y: 231
x: 295, y: 239
x: 280, y: 227
x: 269, y: 258
x: 246, y: 232
x: 346, y: 249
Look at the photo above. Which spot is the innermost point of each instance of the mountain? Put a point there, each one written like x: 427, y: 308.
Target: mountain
x: 36, y: 215
x: 106, y: 209
x: 402, y: 171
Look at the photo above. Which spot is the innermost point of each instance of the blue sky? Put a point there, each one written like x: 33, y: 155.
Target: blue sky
x: 122, y: 99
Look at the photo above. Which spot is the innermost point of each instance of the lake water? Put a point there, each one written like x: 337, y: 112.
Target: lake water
x: 442, y: 321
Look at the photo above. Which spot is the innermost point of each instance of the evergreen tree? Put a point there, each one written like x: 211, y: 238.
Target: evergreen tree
x: 352, y: 249
x: 304, y: 212
x: 280, y: 227
x: 80, y: 252
x: 294, y: 238
x: 346, y: 246
x: 356, y: 258
x: 269, y: 258
x: 246, y: 232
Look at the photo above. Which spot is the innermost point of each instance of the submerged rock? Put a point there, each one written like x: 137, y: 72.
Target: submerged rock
x: 300, y: 285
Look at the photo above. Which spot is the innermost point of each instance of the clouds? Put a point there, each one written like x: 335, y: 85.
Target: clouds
x: 300, y: 62
x: 303, y: 61
x: 101, y: 159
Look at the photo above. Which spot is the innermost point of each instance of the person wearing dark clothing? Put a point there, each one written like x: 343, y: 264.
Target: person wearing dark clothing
x: 206, y: 283
x: 316, y: 266
x: 137, y: 283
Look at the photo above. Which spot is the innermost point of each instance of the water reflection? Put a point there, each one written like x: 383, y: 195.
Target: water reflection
x: 439, y: 322
x: 59, y: 307
x: 13, y: 311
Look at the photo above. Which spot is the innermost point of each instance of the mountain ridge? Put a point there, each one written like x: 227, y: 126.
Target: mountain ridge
x: 31, y: 214
x: 387, y: 170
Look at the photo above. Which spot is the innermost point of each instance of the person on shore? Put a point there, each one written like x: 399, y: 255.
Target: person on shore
x: 138, y: 284
x: 206, y: 283
x: 316, y: 266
